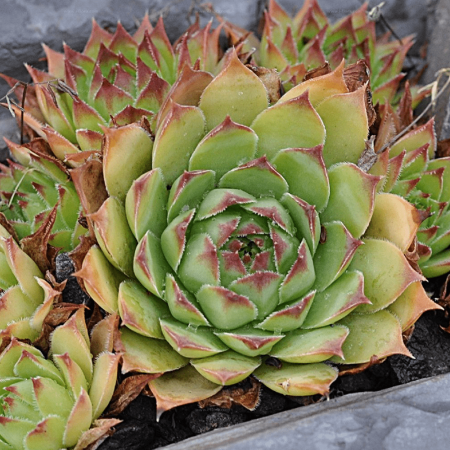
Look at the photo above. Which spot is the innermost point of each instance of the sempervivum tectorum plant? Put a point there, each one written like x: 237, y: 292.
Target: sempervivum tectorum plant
x: 117, y: 79
x: 410, y: 170
x: 294, y: 45
x: 48, y: 404
x: 247, y: 239
x: 26, y: 297
x: 30, y: 192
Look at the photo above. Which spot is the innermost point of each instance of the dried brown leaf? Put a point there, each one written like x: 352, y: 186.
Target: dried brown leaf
x: 248, y: 398
x: 95, y: 318
x: 91, y: 439
x: 358, y: 368
x: 405, y: 111
x: 368, y: 157
x: 317, y: 72
x: 127, y: 391
x: 8, y: 227
x: 443, y: 148
x: 271, y: 81
x: 78, y: 254
x: 59, y: 315
x: 36, y: 246
x: 90, y: 186
x: 356, y: 75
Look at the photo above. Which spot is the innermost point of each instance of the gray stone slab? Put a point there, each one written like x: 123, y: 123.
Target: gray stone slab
x: 413, y: 416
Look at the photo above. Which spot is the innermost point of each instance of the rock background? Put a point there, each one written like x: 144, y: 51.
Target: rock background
x: 28, y: 23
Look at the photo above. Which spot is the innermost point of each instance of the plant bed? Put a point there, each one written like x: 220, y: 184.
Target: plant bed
x: 206, y: 297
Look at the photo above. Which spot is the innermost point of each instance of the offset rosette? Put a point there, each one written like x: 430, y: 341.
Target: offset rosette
x: 411, y: 172
x: 39, y: 194
x: 247, y: 239
x: 295, y: 44
x: 49, y: 403
x: 26, y: 297
x: 116, y: 80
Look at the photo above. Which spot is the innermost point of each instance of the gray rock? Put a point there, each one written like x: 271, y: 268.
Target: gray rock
x: 412, y: 416
x: 438, y: 57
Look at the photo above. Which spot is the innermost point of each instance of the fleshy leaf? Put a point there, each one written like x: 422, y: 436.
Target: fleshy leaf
x: 292, y: 124
x: 224, y: 308
x: 247, y: 99
x: 139, y: 310
x: 145, y: 203
x: 147, y: 355
x: 224, y: 147
x: 378, y: 334
x: 345, y: 120
x: 226, y: 368
x: 386, y: 271
x: 352, y: 195
x: 150, y: 266
x: 310, y: 346
x: 198, y: 342
x: 131, y: 143
x: 306, y: 174
x: 337, y: 300
x: 114, y: 235
x: 182, y: 304
x: 181, y: 387
x: 258, y: 177
x: 171, y: 153
x: 288, y: 317
x: 188, y: 191
x: 334, y: 255
x: 250, y: 341
x: 395, y: 220
x: 411, y: 305
x: 100, y: 279
x: 294, y: 379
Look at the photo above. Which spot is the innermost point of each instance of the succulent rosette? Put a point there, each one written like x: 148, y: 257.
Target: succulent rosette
x: 247, y: 231
x: 410, y: 170
x: 29, y: 193
x: 49, y: 403
x: 26, y: 297
x: 294, y: 45
x: 117, y: 79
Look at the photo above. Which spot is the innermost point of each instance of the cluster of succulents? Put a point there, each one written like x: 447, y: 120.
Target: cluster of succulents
x: 295, y: 45
x: 48, y: 403
x: 246, y: 229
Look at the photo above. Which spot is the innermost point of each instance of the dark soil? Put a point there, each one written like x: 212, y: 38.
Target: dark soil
x: 139, y: 430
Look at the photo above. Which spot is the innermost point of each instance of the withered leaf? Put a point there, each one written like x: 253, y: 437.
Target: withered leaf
x: 271, y: 81
x: 405, y: 111
x: 355, y: 76
x: 443, y: 148
x: 248, y: 398
x: 127, y: 391
x: 8, y: 227
x: 90, y: 186
x: 91, y: 439
x: 368, y: 157
x: 358, y: 368
x: 317, y: 71
x: 95, y: 318
x: 57, y: 316
x: 78, y: 253
x: 412, y: 253
x: 36, y: 246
